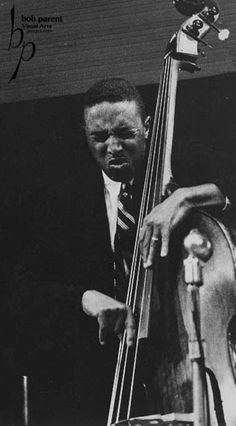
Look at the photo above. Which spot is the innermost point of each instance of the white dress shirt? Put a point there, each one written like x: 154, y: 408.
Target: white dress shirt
x: 111, y: 191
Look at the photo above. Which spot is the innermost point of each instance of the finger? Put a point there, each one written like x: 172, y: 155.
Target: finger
x: 153, y: 248
x: 103, y: 327
x: 141, y: 239
x: 165, y: 243
x: 130, y: 328
x: 120, y: 322
x: 141, y: 234
x: 154, y: 245
x: 145, y: 243
x: 102, y: 334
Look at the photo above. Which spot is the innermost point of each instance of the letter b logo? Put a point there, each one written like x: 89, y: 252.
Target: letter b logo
x: 16, y: 40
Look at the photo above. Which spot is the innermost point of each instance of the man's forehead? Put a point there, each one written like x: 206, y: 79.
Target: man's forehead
x: 122, y: 112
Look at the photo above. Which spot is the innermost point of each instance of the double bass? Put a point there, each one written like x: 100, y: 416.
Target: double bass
x: 153, y: 380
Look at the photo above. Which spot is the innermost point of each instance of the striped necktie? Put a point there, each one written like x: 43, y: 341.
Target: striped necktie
x: 124, y: 241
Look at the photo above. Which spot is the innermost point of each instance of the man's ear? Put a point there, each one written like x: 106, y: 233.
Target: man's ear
x: 147, y: 126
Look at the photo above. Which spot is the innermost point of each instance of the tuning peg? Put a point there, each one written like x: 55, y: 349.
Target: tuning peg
x: 223, y: 34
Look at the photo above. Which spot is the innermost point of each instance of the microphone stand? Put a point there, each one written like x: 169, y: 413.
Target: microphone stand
x: 198, y: 249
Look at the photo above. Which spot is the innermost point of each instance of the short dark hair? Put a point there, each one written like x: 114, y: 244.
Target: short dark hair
x: 114, y: 90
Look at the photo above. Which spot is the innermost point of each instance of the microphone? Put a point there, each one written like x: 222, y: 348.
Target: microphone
x: 189, y: 7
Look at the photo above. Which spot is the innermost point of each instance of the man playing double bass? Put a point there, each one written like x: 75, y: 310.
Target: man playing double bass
x: 116, y: 129
x: 77, y: 266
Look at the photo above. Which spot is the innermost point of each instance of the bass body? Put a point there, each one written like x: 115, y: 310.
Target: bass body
x: 217, y: 325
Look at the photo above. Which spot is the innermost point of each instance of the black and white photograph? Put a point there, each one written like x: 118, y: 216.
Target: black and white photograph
x: 118, y: 213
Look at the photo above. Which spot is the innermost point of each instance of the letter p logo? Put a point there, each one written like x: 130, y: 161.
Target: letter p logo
x: 16, y: 40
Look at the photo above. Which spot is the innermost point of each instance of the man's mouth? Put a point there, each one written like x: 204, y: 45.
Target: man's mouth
x: 117, y: 161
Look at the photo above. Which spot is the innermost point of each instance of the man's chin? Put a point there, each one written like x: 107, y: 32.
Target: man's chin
x: 120, y: 172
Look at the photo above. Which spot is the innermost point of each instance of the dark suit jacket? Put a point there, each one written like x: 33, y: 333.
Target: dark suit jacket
x: 66, y: 251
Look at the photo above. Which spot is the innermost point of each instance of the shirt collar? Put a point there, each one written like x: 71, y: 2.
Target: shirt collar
x: 109, y: 183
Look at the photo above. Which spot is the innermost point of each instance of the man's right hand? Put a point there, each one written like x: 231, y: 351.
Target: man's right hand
x: 113, y: 316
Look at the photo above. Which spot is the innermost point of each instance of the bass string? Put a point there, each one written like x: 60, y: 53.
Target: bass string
x: 151, y: 165
x: 155, y: 151
x: 158, y: 145
x: 157, y: 141
x: 158, y: 183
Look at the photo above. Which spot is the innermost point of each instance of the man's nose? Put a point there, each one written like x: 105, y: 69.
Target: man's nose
x: 114, y: 144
